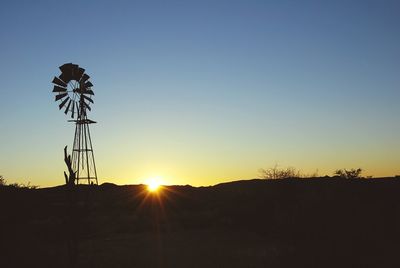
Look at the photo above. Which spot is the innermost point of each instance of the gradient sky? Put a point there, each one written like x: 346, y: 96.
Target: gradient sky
x: 201, y: 92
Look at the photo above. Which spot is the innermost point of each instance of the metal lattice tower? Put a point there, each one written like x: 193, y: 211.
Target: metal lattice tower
x: 75, y: 92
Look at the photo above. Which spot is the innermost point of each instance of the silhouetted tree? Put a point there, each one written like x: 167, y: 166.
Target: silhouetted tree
x: 71, y: 227
x: 69, y: 179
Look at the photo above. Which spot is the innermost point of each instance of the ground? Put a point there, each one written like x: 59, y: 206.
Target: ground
x: 257, y: 223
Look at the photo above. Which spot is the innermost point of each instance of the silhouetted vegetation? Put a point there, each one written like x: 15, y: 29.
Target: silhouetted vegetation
x: 3, y: 183
x: 279, y: 173
x: 276, y: 172
x: 284, y: 173
x: 71, y: 176
x: 71, y: 212
x: 349, y: 174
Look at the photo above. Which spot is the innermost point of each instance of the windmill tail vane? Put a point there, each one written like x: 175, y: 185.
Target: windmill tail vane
x: 74, y: 92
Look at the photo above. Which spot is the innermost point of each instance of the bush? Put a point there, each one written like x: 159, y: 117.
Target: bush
x: 349, y: 174
x: 279, y: 173
x: 28, y: 185
x: 285, y: 173
x: 24, y: 185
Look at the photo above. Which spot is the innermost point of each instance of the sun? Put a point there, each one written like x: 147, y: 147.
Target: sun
x: 153, y: 184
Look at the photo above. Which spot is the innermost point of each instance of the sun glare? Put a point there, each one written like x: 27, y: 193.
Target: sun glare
x: 153, y: 184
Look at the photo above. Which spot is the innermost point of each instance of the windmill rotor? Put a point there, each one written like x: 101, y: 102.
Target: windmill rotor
x: 73, y: 90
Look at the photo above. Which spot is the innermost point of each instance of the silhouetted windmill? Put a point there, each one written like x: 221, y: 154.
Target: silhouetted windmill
x: 74, y: 91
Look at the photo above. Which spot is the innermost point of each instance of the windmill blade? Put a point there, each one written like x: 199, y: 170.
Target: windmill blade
x: 79, y: 74
x: 75, y: 72
x: 67, y: 71
x: 60, y: 96
x: 87, y: 98
x: 59, y: 89
x: 88, y: 84
x: 65, y: 68
x: 89, y: 92
x: 87, y: 106
x: 84, y: 78
x: 59, y: 82
x: 63, y: 103
x: 73, y: 109
x: 66, y: 77
x: 68, y: 105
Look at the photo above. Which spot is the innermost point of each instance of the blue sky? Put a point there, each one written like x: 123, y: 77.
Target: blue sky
x: 200, y: 92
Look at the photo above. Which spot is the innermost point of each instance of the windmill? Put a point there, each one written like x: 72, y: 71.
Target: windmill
x: 73, y: 91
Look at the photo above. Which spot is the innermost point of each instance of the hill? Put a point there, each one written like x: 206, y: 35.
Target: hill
x: 255, y: 223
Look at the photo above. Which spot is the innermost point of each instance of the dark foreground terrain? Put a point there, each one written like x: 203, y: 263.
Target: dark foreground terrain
x: 257, y: 223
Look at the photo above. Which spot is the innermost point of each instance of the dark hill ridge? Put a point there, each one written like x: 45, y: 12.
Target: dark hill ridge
x: 255, y: 223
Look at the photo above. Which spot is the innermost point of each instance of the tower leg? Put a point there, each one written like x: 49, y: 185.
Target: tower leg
x: 83, y: 156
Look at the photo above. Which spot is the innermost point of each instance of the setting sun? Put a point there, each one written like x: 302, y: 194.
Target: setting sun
x: 153, y: 184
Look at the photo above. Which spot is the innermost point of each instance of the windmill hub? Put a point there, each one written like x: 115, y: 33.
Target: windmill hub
x: 74, y: 92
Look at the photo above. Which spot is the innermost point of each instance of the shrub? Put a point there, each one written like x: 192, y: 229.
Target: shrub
x: 349, y: 174
x: 279, y: 173
x: 28, y: 185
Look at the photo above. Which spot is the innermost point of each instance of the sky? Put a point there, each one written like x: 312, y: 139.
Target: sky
x: 202, y: 92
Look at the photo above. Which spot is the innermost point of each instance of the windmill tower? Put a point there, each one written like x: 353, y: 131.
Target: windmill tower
x: 74, y: 92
